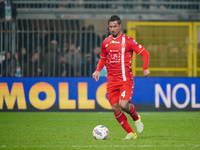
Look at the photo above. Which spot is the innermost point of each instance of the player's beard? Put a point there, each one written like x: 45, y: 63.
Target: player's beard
x: 115, y: 35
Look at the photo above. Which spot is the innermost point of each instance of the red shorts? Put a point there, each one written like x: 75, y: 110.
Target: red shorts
x: 120, y: 91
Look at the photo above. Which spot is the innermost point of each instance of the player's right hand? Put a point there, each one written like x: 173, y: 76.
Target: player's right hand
x: 96, y: 75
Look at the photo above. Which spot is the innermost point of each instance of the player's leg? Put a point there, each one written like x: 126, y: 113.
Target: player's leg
x: 126, y: 92
x: 130, y: 109
x: 124, y: 102
x: 122, y: 119
x: 113, y: 97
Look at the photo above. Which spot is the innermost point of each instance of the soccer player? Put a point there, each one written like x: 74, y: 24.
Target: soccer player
x: 117, y: 50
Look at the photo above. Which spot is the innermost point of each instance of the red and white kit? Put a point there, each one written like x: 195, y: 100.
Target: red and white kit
x: 117, y: 53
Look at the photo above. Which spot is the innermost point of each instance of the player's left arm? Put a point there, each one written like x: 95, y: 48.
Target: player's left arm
x: 140, y: 50
x: 145, y: 58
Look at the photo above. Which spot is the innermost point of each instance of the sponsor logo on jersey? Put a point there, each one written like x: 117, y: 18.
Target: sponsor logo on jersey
x: 114, y: 42
x: 114, y: 56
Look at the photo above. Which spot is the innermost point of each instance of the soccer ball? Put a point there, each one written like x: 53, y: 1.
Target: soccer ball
x: 100, y: 132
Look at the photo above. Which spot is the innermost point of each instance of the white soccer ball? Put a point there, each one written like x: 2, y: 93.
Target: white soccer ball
x: 100, y: 132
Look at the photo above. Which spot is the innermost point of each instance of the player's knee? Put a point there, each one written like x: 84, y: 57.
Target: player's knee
x: 122, y: 107
x: 122, y: 104
x: 116, y: 109
x: 125, y: 105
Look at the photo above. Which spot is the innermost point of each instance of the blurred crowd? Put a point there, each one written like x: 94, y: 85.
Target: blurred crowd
x: 48, y: 53
x: 51, y: 60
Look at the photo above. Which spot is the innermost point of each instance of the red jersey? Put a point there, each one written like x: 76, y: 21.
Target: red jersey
x: 117, y: 53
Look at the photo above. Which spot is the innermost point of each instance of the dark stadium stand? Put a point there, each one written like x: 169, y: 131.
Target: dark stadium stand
x: 84, y: 9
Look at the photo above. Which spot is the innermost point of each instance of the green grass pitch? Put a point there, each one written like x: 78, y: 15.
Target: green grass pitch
x: 67, y: 130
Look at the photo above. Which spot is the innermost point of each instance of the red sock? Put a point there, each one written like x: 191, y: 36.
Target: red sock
x: 133, y: 113
x: 121, y: 118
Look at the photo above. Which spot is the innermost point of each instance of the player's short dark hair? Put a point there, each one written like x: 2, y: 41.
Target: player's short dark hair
x: 114, y: 18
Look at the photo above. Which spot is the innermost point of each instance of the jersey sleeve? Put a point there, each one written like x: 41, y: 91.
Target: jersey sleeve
x: 103, y: 58
x: 145, y: 58
x: 136, y: 47
x: 140, y: 50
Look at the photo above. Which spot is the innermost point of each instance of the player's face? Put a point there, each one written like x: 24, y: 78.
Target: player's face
x: 114, y: 28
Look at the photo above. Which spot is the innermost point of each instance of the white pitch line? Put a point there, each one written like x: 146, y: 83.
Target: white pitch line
x: 121, y: 146
x: 95, y: 146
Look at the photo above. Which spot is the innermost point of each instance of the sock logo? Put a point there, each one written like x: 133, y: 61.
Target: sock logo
x: 121, y: 122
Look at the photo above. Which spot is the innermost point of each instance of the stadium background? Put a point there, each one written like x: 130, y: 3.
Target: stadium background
x: 62, y: 40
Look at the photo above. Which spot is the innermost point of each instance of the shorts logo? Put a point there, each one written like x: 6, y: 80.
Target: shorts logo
x: 123, y: 94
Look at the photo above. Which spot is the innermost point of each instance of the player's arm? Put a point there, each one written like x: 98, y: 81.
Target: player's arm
x: 145, y: 58
x: 101, y: 64
x: 140, y: 50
